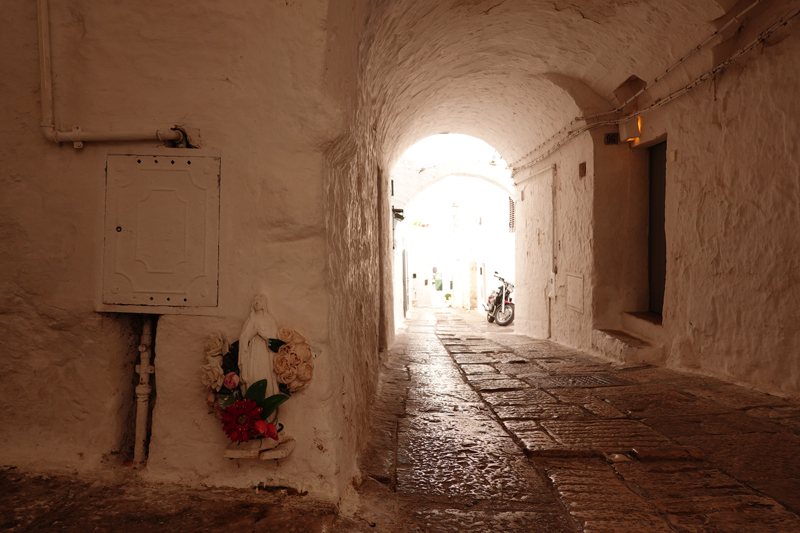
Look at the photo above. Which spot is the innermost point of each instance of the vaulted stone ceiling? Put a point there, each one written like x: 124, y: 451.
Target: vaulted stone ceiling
x: 514, y: 72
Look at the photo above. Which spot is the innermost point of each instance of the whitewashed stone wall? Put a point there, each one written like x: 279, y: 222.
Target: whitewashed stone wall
x: 270, y: 86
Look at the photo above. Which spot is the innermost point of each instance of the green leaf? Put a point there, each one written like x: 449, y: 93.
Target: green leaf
x: 257, y: 391
x: 275, y: 344
x: 226, y: 400
x: 271, y: 404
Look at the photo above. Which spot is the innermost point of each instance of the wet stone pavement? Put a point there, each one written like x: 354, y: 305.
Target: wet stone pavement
x: 476, y: 429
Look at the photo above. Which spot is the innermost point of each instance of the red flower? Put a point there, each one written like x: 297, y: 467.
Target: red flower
x: 239, y: 420
x: 272, y: 432
x: 268, y: 430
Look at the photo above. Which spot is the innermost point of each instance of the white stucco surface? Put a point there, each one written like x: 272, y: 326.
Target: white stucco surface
x: 269, y: 107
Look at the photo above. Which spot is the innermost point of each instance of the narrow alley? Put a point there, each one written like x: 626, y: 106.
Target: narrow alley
x: 477, y: 429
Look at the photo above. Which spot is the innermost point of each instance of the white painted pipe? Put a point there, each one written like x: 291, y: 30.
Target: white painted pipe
x: 78, y: 137
x: 143, y: 390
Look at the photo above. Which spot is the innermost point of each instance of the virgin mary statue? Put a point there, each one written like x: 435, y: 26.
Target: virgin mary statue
x: 255, y: 358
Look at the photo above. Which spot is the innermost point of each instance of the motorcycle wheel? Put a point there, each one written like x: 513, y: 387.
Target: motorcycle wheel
x: 489, y: 318
x: 506, y: 317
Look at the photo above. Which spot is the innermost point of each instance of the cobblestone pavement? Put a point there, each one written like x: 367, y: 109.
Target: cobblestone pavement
x: 478, y: 429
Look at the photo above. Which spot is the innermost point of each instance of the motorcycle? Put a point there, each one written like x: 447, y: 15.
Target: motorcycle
x: 499, y: 306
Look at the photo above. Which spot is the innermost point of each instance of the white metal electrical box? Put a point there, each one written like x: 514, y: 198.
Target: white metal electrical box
x: 161, y: 231
x: 575, y: 292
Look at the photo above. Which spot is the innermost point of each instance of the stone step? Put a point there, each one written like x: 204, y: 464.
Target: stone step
x: 646, y: 326
x: 625, y: 347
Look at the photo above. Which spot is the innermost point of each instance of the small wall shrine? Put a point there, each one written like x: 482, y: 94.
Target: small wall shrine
x: 248, y: 380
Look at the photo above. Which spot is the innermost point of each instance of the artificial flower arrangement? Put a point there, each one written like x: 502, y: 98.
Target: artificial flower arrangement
x: 248, y: 413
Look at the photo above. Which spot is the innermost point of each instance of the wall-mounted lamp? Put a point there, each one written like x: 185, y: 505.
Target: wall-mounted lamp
x: 631, y: 130
x: 398, y: 214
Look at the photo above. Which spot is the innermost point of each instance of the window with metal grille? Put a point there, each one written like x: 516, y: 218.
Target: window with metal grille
x: 512, y: 222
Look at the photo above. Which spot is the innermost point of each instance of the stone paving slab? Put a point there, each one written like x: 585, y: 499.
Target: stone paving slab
x: 542, y: 411
x: 435, y: 371
x: 486, y: 376
x: 455, y: 393
x: 768, y: 462
x: 733, y: 423
x: 490, y: 385
x: 733, y: 397
x: 478, y: 369
x: 536, y: 441
x: 601, y: 409
x: 718, y: 503
x: 510, y: 358
x: 647, y: 401
x: 649, y: 374
x: 495, y: 385
x: 521, y: 369
x: 571, y: 366
x: 464, y: 359
x: 598, y: 500
x: 518, y: 397
x: 444, y: 406
x: 607, y: 436
x: 448, y: 520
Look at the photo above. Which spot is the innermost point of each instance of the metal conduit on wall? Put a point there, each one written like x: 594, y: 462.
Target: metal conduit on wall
x: 77, y: 137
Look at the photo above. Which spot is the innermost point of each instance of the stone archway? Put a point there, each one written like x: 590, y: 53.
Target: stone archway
x: 409, y: 182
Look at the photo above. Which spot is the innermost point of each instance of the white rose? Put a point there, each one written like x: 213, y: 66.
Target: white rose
x: 286, y: 335
x: 213, y: 376
x: 293, y: 358
x: 296, y: 385
x: 305, y: 371
x: 290, y: 336
x: 288, y: 376
x: 282, y: 364
x: 217, y: 344
x: 303, y: 351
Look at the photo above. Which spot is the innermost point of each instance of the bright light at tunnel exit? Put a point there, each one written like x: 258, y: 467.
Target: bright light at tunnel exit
x: 456, y: 223
x: 438, y: 149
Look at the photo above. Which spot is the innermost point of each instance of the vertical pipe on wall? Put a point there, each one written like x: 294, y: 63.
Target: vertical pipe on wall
x: 143, y: 390
x: 76, y: 136
x: 44, y: 65
x: 554, y: 259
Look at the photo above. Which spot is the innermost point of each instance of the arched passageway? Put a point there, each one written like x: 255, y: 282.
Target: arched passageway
x: 553, y: 87
x: 579, y: 98
x: 452, y: 200
x: 409, y: 182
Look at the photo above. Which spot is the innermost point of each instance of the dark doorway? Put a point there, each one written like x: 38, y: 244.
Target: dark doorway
x: 657, y: 253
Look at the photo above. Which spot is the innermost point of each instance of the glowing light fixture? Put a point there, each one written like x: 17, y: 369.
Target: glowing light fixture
x: 631, y: 130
